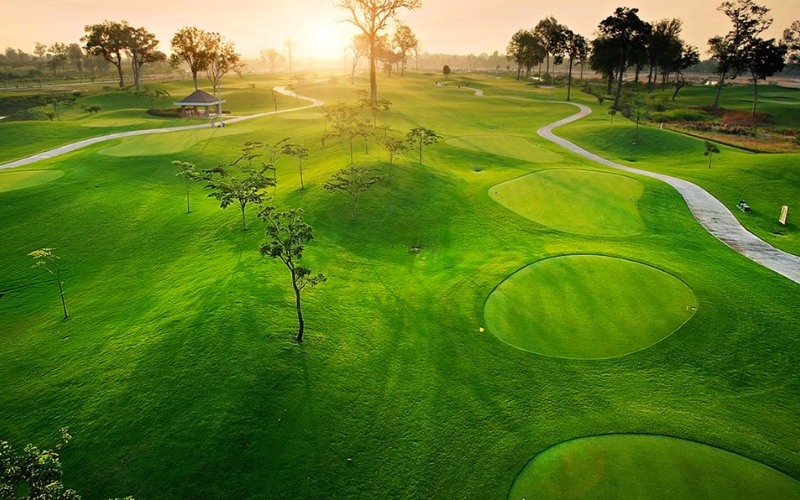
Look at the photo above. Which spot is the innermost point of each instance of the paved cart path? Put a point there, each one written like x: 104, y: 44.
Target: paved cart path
x: 94, y: 140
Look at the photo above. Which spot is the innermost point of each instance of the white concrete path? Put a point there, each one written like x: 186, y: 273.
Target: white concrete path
x: 709, y: 211
x: 94, y: 140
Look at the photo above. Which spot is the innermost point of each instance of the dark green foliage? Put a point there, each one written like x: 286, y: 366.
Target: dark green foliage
x: 287, y: 236
x: 33, y: 473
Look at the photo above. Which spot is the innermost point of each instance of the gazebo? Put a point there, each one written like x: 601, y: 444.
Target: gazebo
x: 199, y: 99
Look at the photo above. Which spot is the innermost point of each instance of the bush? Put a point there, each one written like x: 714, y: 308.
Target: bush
x: 166, y: 112
x: 685, y: 115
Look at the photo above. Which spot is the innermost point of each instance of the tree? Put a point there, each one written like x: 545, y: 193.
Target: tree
x: 394, y: 147
x: 574, y: 46
x: 142, y: 50
x: 421, y: 136
x: 627, y: 31
x: 406, y: 41
x: 151, y: 94
x: 59, y: 54
x: 359, y: 45
x: 301, y: 153
x: 372, y: 106
x: 250, y: 187
x: 749, y: 21
x: 44, y: 258
x: 372, y: 16
x: 288, y: 47
x: 346, y: 123
x: 663, y: 47
x: 222, y: 59
x: 287, y: 236
x: 711, y: 149
x: 605, y: 58
x: 33, y: 473
x: 763, y: 58
x: 190, y: 45
x: 189, y: 174
x: 791, y: 37
x: 552, y: 36
x: 689, y: 57
x: 76, y: 57
x: 108, y: 40
x: 446, y: 71
x: 270, y: 55
x: 353, y: 181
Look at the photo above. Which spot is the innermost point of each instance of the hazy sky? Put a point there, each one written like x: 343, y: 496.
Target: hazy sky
x: 447, y: 26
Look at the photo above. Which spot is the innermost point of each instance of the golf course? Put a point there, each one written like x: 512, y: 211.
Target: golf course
x: 502, y: 317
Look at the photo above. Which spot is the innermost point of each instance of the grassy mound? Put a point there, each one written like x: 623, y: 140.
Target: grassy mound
x: 167, y: 143
x: 20, y: 179
x: 587, y: 306
x: 651, y: 467
x: 575, y: 201
x: 506, y: 145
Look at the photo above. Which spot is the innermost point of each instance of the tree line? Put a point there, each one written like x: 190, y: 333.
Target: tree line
x: 624, y: 42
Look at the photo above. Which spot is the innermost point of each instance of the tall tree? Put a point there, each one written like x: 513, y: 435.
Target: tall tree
x: 288, y: 47
x: 661, y: 47
x: 763, y: 58
x: 108, y: 40
x: 76, y: 57
x: 59, y: 55
x: 749, y: 21
x: 222, y: 59
x: 190, y: 45
x: 574, y: 46
x: 627, y: 31
x: 359, y: 46
x: 689, y: 57
x: 372, y: 16
x: 287, y: 235
x: 791, y: 37
x: 605, y: 58
x: 353, y: 181
x: 421, y: 136
x: 405, y: 40
x: 551, y: 33
x: 270, y: 55
x: 141, y: 50
x: 45, y: 259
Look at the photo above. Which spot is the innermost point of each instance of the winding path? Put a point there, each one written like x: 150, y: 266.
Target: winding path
x: 709, y: 211
x: 94, y: 140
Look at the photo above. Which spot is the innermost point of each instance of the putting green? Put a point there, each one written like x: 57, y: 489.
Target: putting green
x: 587, y: 307
x: 651, y: 467
x: 111, y: 122
x: 506, y: 145
x: 9, y: 181
x: 582, y: 202
x: 167, y: 143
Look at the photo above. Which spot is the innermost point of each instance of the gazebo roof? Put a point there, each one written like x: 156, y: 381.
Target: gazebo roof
x: 199, y: 98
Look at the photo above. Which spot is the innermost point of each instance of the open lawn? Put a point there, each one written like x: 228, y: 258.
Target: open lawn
x: 176, y: 372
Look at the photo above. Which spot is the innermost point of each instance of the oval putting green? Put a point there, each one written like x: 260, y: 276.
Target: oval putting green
x: 583, y: 202
x: 506, y: 145
x: 168, y: 142
x: 20, y: 179
x: 587, y: 307
x: 651, y: 467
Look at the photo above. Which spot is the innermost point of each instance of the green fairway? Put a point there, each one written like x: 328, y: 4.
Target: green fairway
x: 647, y: 467
x: 176, y: 371
x: 111, y: 122
x: 19, y: 179
x: 587, y: 307
x: 575, y: 201
x: 167, y: 143
x: 506, y: 145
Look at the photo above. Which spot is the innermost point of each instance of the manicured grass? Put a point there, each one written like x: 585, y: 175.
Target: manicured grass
x: 651, y: 467
x: 171, y: 143
x: 587, y: 307
x: 20, y: 179
x: 575, y: 201
x: 178, y: 379
x: 506, y: 145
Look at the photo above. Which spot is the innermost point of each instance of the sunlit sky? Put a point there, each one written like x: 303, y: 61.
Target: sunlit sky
x: 316, y: 27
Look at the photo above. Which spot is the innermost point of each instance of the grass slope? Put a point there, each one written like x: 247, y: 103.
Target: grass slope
x: 177, y: 378
x: 576, y: 201
x: 652, y: 467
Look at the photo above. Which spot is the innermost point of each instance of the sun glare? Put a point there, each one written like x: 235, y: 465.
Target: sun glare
x: 325, y: 40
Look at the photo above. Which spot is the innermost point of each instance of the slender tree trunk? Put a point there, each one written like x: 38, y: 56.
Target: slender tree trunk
x: 302, y: 186
x: 719, y: 89
x: 710, y: 154
x: 244, y: 220
x: 300, y: 323
x: 61, y: 291
x: 188, y: 206
x: 569, y: 79
x: 755, y: 95
x: 420, y: 152
x: 353, y: 207
x: 194, y: 78
x: 619, y: 77
x: 351, y: 151
x: 389, y: 177
x: 373, y: 78
x: 678, y: 86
